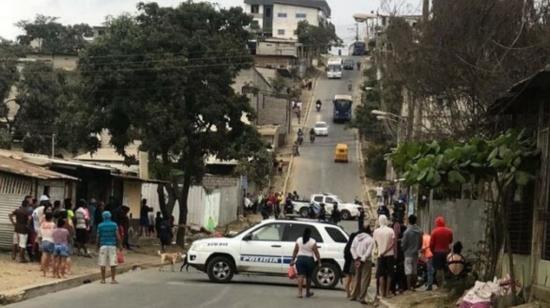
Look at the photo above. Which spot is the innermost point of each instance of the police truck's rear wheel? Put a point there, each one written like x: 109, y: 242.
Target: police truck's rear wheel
x: 326, y: 276
x: 220, y: 269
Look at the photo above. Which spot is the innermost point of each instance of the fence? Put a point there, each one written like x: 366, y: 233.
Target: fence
x: 207, y: 208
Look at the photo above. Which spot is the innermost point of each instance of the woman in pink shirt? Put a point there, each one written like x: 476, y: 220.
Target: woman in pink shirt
x: 47, y: 227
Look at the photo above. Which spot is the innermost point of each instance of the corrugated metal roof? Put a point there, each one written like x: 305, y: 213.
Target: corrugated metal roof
x: 316, y: 4
x: 16, y: 166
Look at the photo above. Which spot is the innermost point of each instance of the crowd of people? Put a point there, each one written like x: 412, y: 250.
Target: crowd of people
x: 274, y: 204
x: 51, y: 233
x: 400, y: 250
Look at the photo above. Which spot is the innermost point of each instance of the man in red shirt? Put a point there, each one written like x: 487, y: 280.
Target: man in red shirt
x: 441, y: 239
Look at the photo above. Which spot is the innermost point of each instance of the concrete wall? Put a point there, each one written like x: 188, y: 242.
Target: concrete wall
x: 543, y: 274
x: 132, y: 197
x: 270, y: 48
x: 275, y: 61
x: 464, y: 217
x: 216, y: 205
x: 289, y: 24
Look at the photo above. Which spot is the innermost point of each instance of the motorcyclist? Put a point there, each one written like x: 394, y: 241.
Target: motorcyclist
x: 318, y: 105
x: 300, y: 136
x: 312, y: 135
x: 350, y: 86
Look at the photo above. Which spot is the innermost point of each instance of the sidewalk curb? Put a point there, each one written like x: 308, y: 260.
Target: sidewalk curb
x: 25, y: 293
x: 291, y: 163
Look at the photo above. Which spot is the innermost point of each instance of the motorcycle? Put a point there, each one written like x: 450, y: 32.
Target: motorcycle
x: 349, y: 87
x: 312, y: 138
x: 318, y: 106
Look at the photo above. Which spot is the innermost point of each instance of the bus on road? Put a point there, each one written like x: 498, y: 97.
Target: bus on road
x: 342, y: 108
x: 358, y: 48
x: 334, y: 68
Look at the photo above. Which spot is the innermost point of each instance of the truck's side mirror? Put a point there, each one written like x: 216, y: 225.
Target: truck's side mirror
x: 247, y: 237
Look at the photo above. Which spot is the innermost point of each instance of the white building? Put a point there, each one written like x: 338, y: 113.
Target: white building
x: 280, y: 18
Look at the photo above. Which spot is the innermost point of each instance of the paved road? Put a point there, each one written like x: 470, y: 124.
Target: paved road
x: 315, y: 171
x: 151, y: 288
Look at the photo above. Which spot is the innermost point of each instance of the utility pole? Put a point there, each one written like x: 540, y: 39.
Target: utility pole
x: 53, y: 145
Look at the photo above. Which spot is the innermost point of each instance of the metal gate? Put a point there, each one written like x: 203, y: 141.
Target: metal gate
x: 12, y: 191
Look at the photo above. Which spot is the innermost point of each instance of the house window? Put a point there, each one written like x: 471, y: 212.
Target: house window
x: 267, y: 12
x: 301, y: 15
x: 254, y: 9
x: 281, y: 32
x: 281, y: 15
x: 520, y: 220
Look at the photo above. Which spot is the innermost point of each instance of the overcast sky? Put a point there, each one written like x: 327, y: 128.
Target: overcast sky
x: 93, y: 12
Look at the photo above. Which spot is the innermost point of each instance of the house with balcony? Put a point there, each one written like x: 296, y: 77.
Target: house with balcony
x: 280, y: 18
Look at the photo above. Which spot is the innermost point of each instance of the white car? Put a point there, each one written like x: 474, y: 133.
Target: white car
x: 321, y: 128
x: 267, y: 248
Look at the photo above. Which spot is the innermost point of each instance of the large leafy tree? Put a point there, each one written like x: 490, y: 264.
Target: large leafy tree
x: 8, y: 77
x: 319, y: 39
x: 52, y: 36
x: 50, y: 103
x: 164, y: 77
x: 465, y: 56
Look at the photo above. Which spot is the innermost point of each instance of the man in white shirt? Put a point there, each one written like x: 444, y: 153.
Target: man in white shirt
x: 361, y: 251
x: 379, y: 193
x: 384, y: 237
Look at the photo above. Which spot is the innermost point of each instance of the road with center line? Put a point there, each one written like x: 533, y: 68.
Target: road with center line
x: 315, y: 171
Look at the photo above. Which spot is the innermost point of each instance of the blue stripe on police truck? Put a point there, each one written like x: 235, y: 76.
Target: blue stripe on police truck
x: 266, y: 259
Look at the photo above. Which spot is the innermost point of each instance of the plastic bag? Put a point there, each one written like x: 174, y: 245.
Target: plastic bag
x: 120, y: 256
x: 292, y: 272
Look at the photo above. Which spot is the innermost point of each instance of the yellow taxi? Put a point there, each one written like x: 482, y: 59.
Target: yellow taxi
x: 341, y: 153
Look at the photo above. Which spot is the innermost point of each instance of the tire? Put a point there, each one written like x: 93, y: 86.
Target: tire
x: 346, y: 215
x: 327, y: 275
x: 220, y: 269
x: 304, y: 212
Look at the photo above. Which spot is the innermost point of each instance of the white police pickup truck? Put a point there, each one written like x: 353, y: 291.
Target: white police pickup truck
x: 266, y: 249
x: 347, y: 210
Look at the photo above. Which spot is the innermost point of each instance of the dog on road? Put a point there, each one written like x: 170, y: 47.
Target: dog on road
x: 170, y: 258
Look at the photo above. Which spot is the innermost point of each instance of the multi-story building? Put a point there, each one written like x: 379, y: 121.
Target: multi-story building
x: 280, y: 18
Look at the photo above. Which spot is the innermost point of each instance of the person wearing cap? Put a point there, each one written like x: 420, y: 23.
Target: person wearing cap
x: 108, y: 240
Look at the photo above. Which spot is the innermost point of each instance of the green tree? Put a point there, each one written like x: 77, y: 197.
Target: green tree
x: 507, y: 162
x: 50, y: 102
x: 317, y: 40
x: 8, y: 77
x: 53, y: 37
x: 164, y: 77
